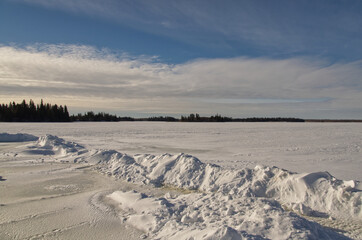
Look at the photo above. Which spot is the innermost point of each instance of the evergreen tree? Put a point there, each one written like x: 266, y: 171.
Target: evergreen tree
x: 25, y: 112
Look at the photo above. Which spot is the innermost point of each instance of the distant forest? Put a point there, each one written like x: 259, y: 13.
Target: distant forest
x: 46, y: 112
x: 91, y: 116
x: 24, y: 112
x: 218, y: 118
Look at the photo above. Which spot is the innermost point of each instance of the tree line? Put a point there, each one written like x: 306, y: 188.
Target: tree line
x: 193, y: 117
x: 102, y: 116
x: 218, y: 118
x: 196, y: 118
x: 46, y: 112
x: 29, y: 112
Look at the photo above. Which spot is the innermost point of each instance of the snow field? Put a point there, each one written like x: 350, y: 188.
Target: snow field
x: 227, y: 204
x: 298, y: 147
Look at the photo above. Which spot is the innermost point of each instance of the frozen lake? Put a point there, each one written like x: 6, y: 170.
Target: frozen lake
x: 299, y: 147
x: 128, y: 180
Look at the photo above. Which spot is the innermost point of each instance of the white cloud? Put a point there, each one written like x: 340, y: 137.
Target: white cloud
x: 82, y: 76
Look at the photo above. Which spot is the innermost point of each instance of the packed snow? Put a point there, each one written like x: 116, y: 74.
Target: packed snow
x: 221, y: 203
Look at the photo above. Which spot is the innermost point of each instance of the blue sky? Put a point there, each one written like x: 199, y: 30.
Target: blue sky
x: 236, y: 58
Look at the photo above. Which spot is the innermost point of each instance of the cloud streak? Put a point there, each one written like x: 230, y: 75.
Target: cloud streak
x: 88, y: 78
x: 285, y: 27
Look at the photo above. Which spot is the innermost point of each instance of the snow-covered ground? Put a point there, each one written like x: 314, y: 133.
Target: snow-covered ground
x: 298, y: 147
x: 230, y: 182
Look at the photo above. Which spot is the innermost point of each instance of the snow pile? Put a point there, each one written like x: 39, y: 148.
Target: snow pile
x: 225, y: 204
x: 119, y: 165
x: 53, y: 145
x: 18, y: 137
x: 313, y: 194
x: 316, y: 194
x: 215, y: 216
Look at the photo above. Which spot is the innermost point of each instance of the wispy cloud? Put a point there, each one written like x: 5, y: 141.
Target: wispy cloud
x: 83, y: 76
x: 283, y: 27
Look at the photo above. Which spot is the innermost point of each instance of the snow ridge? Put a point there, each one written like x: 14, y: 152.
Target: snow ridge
x: 226, y: 204
x: 314, y: 194
x: 215, y: 216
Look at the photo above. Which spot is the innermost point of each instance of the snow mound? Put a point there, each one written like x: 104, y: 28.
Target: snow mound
x: 18, y: 137
x: 314, y: 194
x: 53, y: 145
x: 215, y: 216
x: 119, y: 165
x: 317, y: 194
x: 256, y: 203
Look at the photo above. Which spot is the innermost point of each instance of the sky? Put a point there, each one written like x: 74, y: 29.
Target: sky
x: 237, y: 58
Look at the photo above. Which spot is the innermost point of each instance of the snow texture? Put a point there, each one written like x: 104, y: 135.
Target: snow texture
x: 215, y: 216
x: 247, y: 203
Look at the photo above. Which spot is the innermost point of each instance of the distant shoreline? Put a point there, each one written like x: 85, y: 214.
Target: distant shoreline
x: 334, y: 120
x: 46, y: 112
x: 206, y: 121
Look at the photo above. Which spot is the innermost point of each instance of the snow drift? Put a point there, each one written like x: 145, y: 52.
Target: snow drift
x: 18, y: 137
x: 53, y: 145
x: 314, y: 194
x: 215, y: 216
x: 225, y: 204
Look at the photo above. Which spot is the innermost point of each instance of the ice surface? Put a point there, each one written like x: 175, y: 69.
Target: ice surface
x: 246, y: 203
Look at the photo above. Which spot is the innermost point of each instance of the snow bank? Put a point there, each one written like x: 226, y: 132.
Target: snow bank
x: 215, y: 216
x: 317, y: 194
x: 18, y: 137
x: 226, y: 204
x: 313, y: 194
